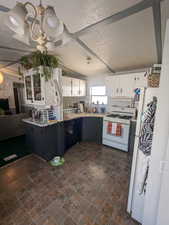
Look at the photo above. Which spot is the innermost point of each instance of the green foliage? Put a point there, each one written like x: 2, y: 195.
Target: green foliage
x: 36, y: 59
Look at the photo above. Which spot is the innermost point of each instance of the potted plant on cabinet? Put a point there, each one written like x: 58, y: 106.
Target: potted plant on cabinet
x: 39, y: 59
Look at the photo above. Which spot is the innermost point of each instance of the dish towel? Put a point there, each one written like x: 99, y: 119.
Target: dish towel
x: 109, y: 127
x: 114, y: 129
x: 146, y: 134
x: 118, y: 129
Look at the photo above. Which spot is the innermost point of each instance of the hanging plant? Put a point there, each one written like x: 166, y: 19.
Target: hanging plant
x: 36, y: 59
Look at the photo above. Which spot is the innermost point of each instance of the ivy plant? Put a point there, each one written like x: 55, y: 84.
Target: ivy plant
x: 36, y: 59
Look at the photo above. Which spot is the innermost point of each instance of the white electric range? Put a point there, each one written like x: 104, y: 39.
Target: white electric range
x: 122, y: 116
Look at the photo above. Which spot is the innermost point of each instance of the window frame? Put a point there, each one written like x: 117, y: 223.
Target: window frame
x: 98, y: 95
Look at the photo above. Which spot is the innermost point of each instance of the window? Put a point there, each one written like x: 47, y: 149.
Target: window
x: 98, y: 95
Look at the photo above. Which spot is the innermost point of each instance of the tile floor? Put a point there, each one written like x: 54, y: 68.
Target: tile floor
x: 90, y: 189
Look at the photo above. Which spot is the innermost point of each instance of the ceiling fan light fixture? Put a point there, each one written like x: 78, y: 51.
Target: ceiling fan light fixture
x: 51, y: 18
x: 15, y: 19
x: 51, y: 22
x: 52, y: 25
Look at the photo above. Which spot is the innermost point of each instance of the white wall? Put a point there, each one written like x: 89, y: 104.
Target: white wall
x: 159, y: 146
x: 164, y: 16
x: 6, y: 88
x: 99, y: 80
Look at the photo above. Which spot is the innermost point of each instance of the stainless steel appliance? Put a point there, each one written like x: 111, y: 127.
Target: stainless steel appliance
x: 121, y: 117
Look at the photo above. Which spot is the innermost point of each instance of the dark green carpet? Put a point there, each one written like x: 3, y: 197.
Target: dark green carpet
x: 12, y: 146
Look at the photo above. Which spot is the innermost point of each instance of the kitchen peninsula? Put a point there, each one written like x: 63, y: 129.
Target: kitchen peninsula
x: 55, y: 138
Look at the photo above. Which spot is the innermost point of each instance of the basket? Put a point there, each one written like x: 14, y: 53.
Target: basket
x: 154, y: 80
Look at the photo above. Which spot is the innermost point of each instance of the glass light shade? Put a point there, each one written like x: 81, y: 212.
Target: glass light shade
x: 52, y: 22
x: 53, y: 27
x: 25, y: 38
x: 1, y: 78
x: 15, y: 18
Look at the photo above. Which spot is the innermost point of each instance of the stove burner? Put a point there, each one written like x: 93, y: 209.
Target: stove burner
x: 113, y: 115
x: 120, y: 116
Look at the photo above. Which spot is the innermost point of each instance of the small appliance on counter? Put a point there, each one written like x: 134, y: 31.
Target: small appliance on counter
x: 81, y: 106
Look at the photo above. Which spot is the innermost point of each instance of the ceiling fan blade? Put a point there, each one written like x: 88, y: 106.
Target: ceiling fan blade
x: 4, y: 8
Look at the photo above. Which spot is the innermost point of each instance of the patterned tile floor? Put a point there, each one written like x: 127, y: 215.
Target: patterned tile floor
x: 90, y: 189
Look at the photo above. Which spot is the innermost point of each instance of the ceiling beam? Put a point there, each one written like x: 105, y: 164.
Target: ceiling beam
x: 9, y: 64
x: 4, y: 8
x: 157, y: 26
x: 119, y: 16
x: 82, y: 44
x: 72, y: 71
x: 14, y: 49
x: 7, y: 60
x: 10, y: 72
x: 112, y: 19
x: 116, y: 17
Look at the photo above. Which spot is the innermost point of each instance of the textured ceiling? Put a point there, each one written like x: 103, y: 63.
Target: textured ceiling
x: 77, y: 14
x: 125, y: 44
x: 74, y: 57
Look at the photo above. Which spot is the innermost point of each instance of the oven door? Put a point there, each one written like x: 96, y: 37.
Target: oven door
x: 119, y: 142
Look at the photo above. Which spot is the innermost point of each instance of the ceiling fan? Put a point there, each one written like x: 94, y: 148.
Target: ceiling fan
x: 43, y: 28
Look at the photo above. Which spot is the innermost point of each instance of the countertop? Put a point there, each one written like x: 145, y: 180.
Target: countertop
x: 67, y: 117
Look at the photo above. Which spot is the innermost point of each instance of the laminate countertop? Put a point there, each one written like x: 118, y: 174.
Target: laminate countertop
x: 69, y: 116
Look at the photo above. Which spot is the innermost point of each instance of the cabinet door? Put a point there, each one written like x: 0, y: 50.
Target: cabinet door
x: 67, y: 86
x: 112, y: 86
x: 82, y: 88
x: 140, y: 80
x: 92, y: 128
x: 28, y: 89
x: 38, y: 89
x: 126, y: 86
x: 75, y: 87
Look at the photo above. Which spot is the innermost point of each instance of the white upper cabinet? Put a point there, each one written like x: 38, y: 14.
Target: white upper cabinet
x: 82, y: 88
x: 67, y: 86
x: 38, y: 91
x: 112, y: 86
x: 34, y: 89
x: 124, y: 85
x: 126, y: 88
x: 73, y: 87
x: 140, y: 80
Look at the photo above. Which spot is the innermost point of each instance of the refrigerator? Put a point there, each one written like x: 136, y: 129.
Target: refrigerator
x: 135, y: 204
